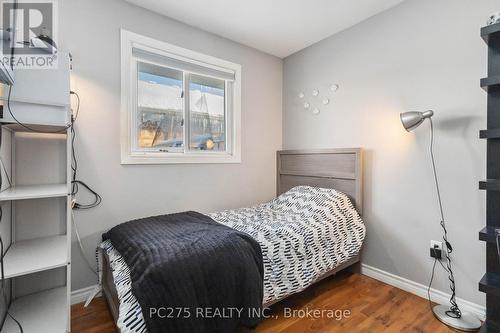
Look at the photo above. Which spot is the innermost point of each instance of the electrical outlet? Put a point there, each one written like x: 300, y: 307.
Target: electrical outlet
x: 436, y: 250
x: 437, y: 244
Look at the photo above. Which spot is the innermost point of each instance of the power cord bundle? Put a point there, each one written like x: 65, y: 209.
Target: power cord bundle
x: 75, y: 188
x: 454, y: 311
x: 452, y: 299
x: 76, y: 183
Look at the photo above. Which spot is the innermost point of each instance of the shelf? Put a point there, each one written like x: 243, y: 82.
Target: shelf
x: 489, y: 327
x: 490, y: 185
x: 487, y: 234
x: 36, y: 255
x: 25, y: 192
x: 491, y: 84
x: 490, y: 134
x: 491, y: 33
x: 35, y: 128
x: 42, y: 312
x: 490, y: 284
x: 35, y: 102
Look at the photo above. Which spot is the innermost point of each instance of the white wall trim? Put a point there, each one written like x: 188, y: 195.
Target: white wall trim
x: 80, y: 295
x: 421, y: 290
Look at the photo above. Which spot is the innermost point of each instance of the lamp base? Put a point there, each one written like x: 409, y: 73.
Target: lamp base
x: 468, y: 322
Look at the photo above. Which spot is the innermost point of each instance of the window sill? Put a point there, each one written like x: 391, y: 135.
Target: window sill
x: 172, y: 158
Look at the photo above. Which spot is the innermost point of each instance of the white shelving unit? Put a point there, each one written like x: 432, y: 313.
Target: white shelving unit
x: 40, y: 99
x: 25, y: 192
x: 41, y: 312
x: 36, y: 255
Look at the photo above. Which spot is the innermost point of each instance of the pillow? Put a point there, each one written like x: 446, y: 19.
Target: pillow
x: 312, y: 202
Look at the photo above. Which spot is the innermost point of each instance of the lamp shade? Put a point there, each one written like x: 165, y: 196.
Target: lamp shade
x: 412, y: 120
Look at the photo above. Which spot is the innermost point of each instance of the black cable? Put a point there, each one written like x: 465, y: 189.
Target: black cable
x: 443, y: 266
x: 74, y: 164
x: 17, y: 322
x: 430, y: 283
x: 97, y: 198
x: 76, y: 183
x: 454, y: 311
x: 75, y: 117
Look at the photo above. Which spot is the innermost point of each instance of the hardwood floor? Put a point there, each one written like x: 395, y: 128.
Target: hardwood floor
x: 373, y: 306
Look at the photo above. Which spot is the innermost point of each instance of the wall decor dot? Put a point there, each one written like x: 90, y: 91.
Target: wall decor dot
x: 319, y: 99
x: 334, y: 87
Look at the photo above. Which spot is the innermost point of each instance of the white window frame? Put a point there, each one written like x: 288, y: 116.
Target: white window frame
x: 129, y: 105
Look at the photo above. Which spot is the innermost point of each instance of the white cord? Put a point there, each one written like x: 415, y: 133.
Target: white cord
x: 80, y: 244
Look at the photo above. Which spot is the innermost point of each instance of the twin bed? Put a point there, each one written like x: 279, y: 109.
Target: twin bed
x: 310, y: 231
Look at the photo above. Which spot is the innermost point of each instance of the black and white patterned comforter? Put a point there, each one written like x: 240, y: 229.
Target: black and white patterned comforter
x: 303, y: 234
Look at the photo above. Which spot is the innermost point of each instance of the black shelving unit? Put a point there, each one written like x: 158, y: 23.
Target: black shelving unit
x: 491, y: 83
x: 490, y: 185
x: 490, y: 283
x: 487, y: 234
x: 490, y: 134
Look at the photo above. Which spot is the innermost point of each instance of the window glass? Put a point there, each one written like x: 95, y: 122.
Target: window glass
x: 160, y: 107
x: 207, y: 122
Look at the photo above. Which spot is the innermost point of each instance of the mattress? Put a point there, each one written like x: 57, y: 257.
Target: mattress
x: 304, y: 233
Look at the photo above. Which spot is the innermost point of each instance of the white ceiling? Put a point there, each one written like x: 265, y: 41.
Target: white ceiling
x: 278, y: 27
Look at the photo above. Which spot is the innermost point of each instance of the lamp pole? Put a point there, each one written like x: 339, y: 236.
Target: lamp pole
x: 451, y: 316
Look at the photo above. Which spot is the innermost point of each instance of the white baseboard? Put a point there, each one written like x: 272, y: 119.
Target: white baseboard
x: 418, y: 289
x: 80, y: 295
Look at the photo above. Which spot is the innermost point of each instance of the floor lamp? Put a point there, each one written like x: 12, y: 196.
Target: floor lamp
x: 451, y: 315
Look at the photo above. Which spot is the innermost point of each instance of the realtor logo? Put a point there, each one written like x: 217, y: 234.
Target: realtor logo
x: 29, y: 34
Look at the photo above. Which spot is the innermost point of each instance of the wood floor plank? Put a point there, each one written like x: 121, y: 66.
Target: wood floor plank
x: 374, y: 307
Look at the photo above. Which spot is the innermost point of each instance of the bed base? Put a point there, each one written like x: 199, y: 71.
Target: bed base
x: 111, y: 294
x: 340, y: 169
x: 109, y: 288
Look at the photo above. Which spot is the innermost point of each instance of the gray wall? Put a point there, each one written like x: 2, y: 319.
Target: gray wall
x: 90, y: 30
x: 422, y: 54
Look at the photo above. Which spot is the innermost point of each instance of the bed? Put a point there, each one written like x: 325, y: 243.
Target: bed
x: 302, y: 177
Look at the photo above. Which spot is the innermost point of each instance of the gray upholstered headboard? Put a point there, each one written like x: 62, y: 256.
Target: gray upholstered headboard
x: 340, y: 169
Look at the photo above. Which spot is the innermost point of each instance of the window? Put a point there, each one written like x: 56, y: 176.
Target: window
x: 178, y: 106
